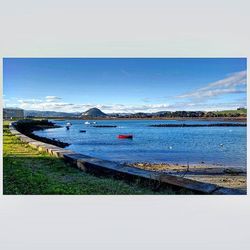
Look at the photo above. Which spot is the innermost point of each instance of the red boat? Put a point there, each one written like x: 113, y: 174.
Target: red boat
x: 125, y: 136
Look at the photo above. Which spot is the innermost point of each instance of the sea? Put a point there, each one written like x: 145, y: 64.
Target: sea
x: 216, y: 146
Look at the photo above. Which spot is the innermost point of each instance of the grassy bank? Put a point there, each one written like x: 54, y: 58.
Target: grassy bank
x: 27, y: 171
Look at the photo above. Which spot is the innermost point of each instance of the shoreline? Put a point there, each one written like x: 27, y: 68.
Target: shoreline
x: 178, y: 164
x: 225, y: 180
x: 27, y: 127
x: 232, y: 119
x: 199, y: 125
x: 30, y: 171
x: 228, y: 177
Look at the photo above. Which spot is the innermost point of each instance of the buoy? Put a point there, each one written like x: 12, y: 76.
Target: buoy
x: 170, y: 147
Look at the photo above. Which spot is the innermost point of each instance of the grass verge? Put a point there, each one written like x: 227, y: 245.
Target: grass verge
x: 27, y: 171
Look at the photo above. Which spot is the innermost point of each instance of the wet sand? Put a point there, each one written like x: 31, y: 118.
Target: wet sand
x: 222, y: 176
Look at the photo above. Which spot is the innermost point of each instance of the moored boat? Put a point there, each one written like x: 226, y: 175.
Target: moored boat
x: 68, y: 125
x: 125, y: 136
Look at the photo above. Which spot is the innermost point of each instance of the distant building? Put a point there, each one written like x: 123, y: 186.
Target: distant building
x: 10, y: 113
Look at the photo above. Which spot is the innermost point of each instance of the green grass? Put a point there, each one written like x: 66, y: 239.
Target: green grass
x: 229, y: 113
x: 27, y: 171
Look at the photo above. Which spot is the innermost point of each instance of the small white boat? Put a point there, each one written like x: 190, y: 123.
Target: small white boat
x: 87, y: 123
x: 68, y: 125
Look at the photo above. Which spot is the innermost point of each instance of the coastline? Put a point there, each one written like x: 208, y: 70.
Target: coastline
x: 30, y: 171
x: 227, y: 181
x: 199, y: 125
x: 27, y: 127
x: 232, y: 119
x: 228, y: 177
x: 36, y: 125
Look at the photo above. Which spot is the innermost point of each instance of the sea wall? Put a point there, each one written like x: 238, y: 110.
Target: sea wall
x: 27, y: 127
x: 95, y: 165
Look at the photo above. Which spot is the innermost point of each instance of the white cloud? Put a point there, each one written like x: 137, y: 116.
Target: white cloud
x: 48, y: 104
x: 133, y: 108
x: 30, y: 101
x: 234, y: 84
x: 54, y: 103
x: 120, y: 108
x: 52, y: 98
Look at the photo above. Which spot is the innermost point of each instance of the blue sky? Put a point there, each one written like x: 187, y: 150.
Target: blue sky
x: 124, y: 85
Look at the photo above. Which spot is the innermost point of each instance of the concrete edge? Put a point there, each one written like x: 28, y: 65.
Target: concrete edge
x: 87, y: 163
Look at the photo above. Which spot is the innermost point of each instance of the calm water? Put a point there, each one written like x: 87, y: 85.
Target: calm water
x: 150, y: 144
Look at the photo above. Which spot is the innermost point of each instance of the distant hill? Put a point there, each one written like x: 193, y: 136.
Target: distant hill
x: 38, y: 113
x: 238, y: 112
x: 94, y: 112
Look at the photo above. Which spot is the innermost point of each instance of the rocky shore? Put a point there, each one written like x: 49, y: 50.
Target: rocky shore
x: 222, y: 176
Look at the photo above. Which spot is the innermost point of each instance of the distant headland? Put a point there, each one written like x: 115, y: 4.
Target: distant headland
x: 95, y: 113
